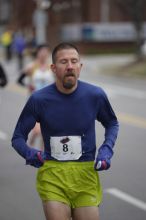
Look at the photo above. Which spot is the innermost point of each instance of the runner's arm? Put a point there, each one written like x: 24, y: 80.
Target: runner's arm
x: 24, y: 73
x: 24, y: 125
x: 109, y: 120
x: 3, y: 77
x: 21, y: 78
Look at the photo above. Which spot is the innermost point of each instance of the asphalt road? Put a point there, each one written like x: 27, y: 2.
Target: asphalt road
x: 123, y: 185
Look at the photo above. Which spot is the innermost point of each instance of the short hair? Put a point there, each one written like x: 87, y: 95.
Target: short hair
x: 40, y: 46
x: 62, y: 46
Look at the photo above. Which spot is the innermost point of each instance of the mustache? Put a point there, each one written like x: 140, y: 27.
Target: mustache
x: 70, y: 73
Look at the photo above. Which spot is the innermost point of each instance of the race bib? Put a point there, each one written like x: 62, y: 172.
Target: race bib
x: 66, y: 147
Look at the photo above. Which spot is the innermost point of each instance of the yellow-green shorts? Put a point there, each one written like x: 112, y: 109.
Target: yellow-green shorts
x: 73, y: 183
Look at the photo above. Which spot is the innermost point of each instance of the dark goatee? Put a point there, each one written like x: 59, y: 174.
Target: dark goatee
x: 68, y: 85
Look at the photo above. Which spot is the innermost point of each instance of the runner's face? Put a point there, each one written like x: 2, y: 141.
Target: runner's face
x: 67, y: 68
x: 43, y: 54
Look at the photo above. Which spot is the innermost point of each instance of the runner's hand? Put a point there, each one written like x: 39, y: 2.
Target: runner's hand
x: 35, y: 158
x: 102, y: 165
x: 103, y: 160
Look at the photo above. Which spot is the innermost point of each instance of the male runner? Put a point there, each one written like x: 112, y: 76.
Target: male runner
x: 67, y: 179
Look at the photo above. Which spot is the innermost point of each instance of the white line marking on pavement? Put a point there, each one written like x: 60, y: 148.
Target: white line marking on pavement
x: 127, y: 198
x: 114, y: 90
x: 3, y: 136
x: 132, y: 93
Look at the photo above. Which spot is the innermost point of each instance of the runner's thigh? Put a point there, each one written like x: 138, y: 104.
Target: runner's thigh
x: 56, y: 210
x: 86, y: 213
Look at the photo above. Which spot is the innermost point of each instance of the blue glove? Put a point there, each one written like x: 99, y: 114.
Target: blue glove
x: 103, y: 160
x: 35, y: 158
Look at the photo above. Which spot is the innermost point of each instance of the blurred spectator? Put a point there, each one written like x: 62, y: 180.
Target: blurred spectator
x: 31, y: 44
x: 3, y: 77
x: 19, y: 45
x: 143, y: 48
x: 6, y: 41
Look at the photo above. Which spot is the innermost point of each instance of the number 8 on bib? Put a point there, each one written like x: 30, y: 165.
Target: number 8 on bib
x: 66, y: 147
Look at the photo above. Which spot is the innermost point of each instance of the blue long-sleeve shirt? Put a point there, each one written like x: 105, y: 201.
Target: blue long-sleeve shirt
x: 62, y: 114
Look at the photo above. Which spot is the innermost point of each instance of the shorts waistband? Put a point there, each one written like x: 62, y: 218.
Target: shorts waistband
x: 68, y: 163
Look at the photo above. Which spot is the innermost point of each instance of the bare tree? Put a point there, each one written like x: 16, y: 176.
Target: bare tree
x: 135, y: 10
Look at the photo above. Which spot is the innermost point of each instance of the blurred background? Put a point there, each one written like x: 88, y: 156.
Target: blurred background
x: 111, y: 36
x: 95, y: 26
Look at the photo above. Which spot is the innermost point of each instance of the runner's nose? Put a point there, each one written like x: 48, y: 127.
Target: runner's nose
x: 69, y: 65
x: 69, y: 69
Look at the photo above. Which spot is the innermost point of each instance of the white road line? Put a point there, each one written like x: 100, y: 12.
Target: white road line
x: 127, y: 198
x: 3, y: 136
x: 132, y: 93
x: 113, y: 90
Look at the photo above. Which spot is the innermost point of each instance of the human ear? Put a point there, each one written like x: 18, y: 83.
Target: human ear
x: 53, y: 68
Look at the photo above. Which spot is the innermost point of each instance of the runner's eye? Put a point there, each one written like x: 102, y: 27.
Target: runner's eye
x: 63, y: 61
x: 74, y: 61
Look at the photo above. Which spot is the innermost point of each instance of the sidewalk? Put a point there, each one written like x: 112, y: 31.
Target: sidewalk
x: 97, y: 64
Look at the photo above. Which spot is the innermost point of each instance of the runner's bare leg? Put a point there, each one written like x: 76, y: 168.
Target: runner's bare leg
x: 86, y: 213
x: 56, y: 210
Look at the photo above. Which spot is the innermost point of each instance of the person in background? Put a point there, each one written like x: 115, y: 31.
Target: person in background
x: 67, y: 180
x: 38, y: 75
x: 3, y: 77
x: 6, y: 41
x: 18, y: 46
